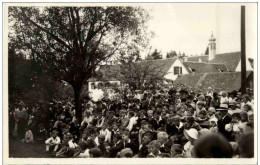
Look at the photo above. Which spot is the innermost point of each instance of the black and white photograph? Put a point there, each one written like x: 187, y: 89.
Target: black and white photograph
x: 146, y: 81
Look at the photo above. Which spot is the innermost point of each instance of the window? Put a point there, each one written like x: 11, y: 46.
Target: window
x: 100, y: 85
x: 92, y: 86
x: 177, y: 70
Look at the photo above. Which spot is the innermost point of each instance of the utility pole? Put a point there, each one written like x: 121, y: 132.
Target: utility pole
x: 243, y: 51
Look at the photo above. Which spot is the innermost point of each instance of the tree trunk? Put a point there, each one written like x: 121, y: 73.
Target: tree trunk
x: 78, y: 108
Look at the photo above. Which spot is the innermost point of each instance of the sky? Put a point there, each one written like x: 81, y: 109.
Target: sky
x: 187, y: 27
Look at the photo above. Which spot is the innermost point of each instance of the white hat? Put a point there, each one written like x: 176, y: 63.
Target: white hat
x: 193, y: 133
x: 223, y: 106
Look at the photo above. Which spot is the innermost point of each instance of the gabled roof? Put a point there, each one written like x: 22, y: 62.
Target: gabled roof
x: 205, y: 67
x: 224, y: 81
x: 231, y: 60
x: 160, y: 66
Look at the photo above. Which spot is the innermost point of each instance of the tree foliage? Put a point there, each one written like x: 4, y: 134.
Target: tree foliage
x: 70, y: 42
x: 171, y: 54
x: 154, y: 55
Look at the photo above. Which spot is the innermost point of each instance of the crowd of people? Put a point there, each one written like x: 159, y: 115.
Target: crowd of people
x: 155, y: 124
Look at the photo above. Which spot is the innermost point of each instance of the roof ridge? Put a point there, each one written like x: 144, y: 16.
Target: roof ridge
x: 203, y: 63
x: 229, y: 53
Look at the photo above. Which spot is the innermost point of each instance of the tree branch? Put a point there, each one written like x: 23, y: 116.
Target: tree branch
x: 52, y: 35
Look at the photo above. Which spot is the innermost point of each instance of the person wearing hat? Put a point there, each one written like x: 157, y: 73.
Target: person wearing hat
x: 233, y: 107
x: 213, y: 125
x: 224, y: 119
x: 192, y: 135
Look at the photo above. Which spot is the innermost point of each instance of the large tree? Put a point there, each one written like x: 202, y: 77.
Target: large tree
x: 70, y: 42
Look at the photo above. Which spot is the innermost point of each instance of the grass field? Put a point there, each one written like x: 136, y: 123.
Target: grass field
x: 18, y: 149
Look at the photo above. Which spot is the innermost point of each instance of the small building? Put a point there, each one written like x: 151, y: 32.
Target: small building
x: 169, y: 69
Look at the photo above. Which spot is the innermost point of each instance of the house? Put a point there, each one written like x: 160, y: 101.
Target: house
x: 221, y: 72
x: 231, y: 60
x: 169, y: 69
x: 218, y: 81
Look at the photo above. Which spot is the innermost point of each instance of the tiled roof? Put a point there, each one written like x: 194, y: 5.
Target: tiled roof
x: 205, y: 67
x: 224, y: 81
x: 112, y: 72
x: 196, y: 58
x: 231, y: 60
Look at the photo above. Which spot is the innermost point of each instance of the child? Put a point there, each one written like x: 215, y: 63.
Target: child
x: 104, y: 131
x: 53, y: 142
x: 42, y: 134
x: 213, y: 125
x: 28, y: 136
x: 211, y: 113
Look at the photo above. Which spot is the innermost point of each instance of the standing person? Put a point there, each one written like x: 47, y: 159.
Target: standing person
x: 223, y: 119
x: 20, y: 116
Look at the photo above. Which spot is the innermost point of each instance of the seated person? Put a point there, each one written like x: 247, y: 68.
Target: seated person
x: 53, y: 142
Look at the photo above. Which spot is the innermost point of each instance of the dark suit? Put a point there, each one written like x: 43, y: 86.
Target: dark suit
x: 143, y: 151
x: 221, y: 126
x: 121, y: 145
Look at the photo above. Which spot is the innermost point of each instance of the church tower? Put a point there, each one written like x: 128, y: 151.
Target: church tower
x: 212, y: 47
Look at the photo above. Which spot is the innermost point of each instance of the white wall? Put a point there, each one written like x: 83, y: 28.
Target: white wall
x: 170, y: 74
x: 97, y: 82
x: 248, y: 66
